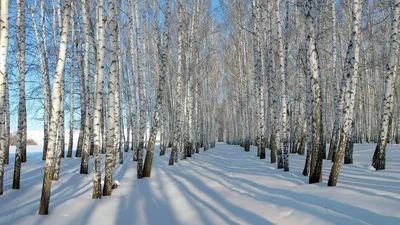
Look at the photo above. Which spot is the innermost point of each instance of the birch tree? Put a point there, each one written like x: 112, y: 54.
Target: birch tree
x: 351, y: 84
x: 72, y: 86
x: 336, y: 129
x: 312, y: 57
x: 258, y: 76
x: 379, y: 158
x: 86, y: 73
x: 178, y: 109
x: 55, y: 111
x: 284, y: 161
x: 21, y: 133
x: 3, y: 76
x: 160, y: 93
x: 99, y: 96
x: 44, y: 67
x: 112, y: 80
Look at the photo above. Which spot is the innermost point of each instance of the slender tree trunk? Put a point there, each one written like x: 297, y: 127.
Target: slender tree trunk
x: 82, y: 97
x: 99, y: 99
x: 379, y: 158
x: 45, y: 76
x: 178, y: 109
x: 312, y: 58
x: 112, y: 25
x: 21, y: 133
x: 118, y: 96
x: 336, y: 129
x: 134, y: 119
x: 60, y: 146
x: 283, y: 51
x: 258, y: 77
x: 351, y: 84
x: 72, y: 88
x: 3, y: 76
x: 7, y: 125
x: 86, y: 103
x: 160, y: 94
x: 56, y: 106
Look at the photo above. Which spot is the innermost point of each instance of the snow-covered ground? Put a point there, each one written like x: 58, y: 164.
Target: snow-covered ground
x: 222, y: 186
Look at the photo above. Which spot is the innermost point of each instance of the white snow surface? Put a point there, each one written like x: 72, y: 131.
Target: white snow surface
x: 224, y: 185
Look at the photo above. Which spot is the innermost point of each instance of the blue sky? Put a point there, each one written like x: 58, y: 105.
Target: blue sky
x: 33, y: 122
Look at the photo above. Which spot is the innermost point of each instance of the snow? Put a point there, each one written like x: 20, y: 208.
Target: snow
x: 224, y: 185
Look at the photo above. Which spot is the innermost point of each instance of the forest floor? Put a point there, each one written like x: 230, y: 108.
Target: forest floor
x: 224, y: 185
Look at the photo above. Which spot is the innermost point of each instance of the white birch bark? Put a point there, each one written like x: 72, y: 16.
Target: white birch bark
x: 178, y: 115
x: 258, y: 77
x: 3, y: 76
x: 117, y: 89
x: 21, y: 133
x: 335, y: 131
x: 118, y: 97
x: 160, y: 94
x: 60, y: 134
x: 99, y: 99
x: 112, y: 25
x: 135, y: 64
x: 56, y: 106
x: 85, y: 101
x: 72, y: 87
x: 379, y: 158
x: 312, y: 57
x: 43, y: 57
x: 282, y: 51
x: 351, y: 84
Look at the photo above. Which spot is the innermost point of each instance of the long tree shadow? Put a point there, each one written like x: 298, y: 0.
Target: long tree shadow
x: 140, y: 206
x: 233, y: 209
x: 298, y: 200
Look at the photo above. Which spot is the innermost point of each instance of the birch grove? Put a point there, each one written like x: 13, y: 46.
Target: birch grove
x: 124, y: 83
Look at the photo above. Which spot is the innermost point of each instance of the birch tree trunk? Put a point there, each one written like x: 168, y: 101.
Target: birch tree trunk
x: 178, y: 109
x: 99, y: 99
x: 118, y: 96
x: 379, y: 158
x: 3, y: 76
x: 86, y: 73
x: 82, y: 97
x: 60, y: 146
x: 134, y: 122
x: 56, y: 106
x: 72, y: 87
x: 21, y: 133
x: 112, y: 25
x: 142, y: 91
x: 351, y: 84
x: 117, y: 89
x: 7, y: 126
x: 284, y: 161
x: 312, y: 58
x: 336, y: 129
x: 272, y: 92
x: 45, y: 76
x: 258, y: 77
x: 160, y: 94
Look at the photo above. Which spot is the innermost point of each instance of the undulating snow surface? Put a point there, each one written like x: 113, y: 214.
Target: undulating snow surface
x: 224, y: 185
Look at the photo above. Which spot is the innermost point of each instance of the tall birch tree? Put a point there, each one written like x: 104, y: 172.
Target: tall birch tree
x: 379, y: 158
x: 21, y: 133
x: 55, y: 111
